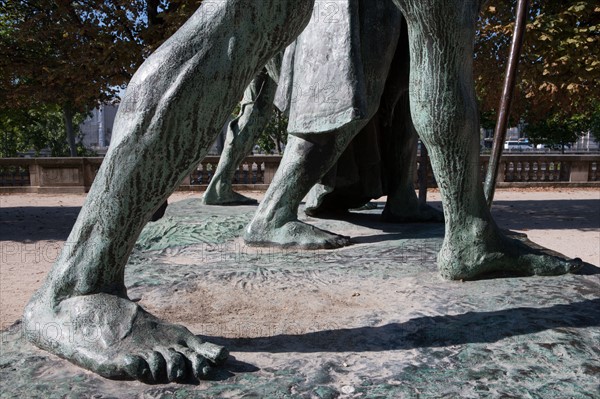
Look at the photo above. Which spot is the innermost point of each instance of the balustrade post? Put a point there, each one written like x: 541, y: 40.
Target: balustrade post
x: 270, y: 169
x: 187, y: 180
x: 579, y: 171
x: 501, y: 172
x: 34, y: 175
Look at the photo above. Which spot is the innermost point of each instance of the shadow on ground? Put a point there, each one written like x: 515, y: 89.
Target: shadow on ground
x: 582, y: 214
x: 428, y: 331
x: 55, y: 223
x: 32, y: 223
x: 552, y: 214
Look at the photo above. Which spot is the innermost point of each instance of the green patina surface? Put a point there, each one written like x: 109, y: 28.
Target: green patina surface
x: 178, y: 229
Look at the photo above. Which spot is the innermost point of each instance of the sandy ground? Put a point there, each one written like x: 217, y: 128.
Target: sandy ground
x: 34, y: 227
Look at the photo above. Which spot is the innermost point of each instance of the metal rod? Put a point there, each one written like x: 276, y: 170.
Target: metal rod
x: 506, y: 100
x: 422, y: 174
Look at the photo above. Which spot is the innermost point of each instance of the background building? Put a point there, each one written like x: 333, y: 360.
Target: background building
x: 97, y: 129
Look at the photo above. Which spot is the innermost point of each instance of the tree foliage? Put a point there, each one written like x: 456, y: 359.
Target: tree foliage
x: 560, y: 64
x: 76, y: 55
x: 73, y: 55
x: 164, y: 18
x: 36, y: 129
x: 595, y: 121
x: 70, y: 54
x: 558, y: 130
x: 274, y: 136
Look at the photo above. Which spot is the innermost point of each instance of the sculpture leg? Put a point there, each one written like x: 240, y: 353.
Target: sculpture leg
x: 445, y: 114
x: 400, y: 140
x: 305, y: 161
x: 174, y: 104
x: 242, y: 133
x: 400, y: 143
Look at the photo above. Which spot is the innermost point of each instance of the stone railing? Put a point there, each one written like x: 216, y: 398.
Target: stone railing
x: 524, y: 169
x: 255, y: 173
x: 533, y: 170
x: 75, y: 175
x: 48, y: 175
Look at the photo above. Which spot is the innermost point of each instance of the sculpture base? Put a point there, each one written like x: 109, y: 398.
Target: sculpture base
x: 370, y: 320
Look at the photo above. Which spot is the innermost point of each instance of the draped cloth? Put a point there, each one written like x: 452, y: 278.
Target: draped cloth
x: 335, y: 71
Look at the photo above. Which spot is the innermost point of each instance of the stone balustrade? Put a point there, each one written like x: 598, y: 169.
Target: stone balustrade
x: 254, y: 173
x: 75, y: 175
x: 48, y: 175
x: 524, y: 168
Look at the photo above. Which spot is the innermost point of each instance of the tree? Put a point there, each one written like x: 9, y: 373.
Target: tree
x: 164, y: 18
x: 36, y: 129
x: 595, y: 122
x: 560, y: 63
x: 70, y: 54
x: 558, y: 130
x: 77, y: 54
x: 274, y: 137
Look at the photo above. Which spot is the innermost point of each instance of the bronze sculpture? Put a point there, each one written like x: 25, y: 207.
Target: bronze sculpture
x: 174, y: 106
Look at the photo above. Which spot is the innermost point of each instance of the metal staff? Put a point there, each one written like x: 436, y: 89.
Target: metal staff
x: 505, y: 100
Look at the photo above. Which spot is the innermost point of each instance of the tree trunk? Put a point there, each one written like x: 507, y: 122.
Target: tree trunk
x: 152, y: 12
x: 68, y: 117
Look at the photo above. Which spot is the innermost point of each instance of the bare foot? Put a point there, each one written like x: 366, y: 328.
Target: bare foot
x: 293, y: 234
x: 117, y: 339
x: 468, y: 258
x: 228, y: 198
